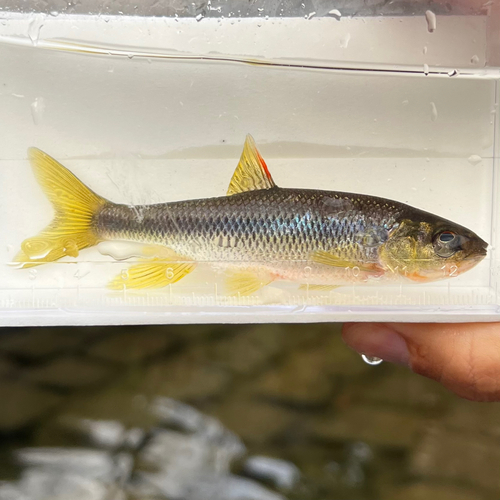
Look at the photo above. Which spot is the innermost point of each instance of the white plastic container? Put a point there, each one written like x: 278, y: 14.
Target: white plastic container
x: 149, y: 109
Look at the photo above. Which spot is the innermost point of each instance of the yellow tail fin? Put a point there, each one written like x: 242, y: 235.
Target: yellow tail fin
x: 75, y: 206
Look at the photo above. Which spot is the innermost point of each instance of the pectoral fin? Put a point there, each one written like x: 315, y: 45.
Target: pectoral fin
x: 319, y: 288
x: 330, y: 259
x: 246, y: 282
x: 152, y: 274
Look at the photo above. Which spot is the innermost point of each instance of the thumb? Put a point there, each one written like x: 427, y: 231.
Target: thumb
x: 464, y: 357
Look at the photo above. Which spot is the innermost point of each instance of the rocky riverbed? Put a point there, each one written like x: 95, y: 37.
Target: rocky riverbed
x: 230, y: 413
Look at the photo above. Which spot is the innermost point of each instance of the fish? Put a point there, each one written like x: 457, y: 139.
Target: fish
x: 257, y: 234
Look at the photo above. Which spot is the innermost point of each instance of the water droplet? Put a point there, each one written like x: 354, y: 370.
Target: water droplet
x: 37, y: 110
x: 260, y: 9
x: 474, y: 59
x: 199, y: 17
x: 424, y: 50
x: 453, y: 72
x: 34, y: 28
x: 54, y: 13
x: 310, y: 15
x: 32, y: 274
x: 474, y: 159
x: 434, y: 112
x: 371, y: 360
x: 336, y: 14
x: 267, y: 18
x: 405, y: 102
x: 426, y: 69
x: 344, y: 41
x: 430, y: 17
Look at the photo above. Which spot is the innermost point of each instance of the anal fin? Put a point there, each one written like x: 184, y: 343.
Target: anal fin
x: 152, y: 274
x: 319, y: 288
x: 246, y: 282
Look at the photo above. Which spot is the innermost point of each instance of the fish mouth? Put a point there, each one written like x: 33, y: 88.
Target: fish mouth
x: 472, y: 260
x: 483, y: 251
x: 478, y: 253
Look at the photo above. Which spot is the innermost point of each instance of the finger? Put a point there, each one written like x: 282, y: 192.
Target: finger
x: 465, y: 358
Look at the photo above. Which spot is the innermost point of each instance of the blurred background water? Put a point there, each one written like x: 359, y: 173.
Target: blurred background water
x: 230, y: 412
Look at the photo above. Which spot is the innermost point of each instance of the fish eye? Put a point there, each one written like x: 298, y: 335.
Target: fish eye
x: 447, y: 243
x: 447, y: 237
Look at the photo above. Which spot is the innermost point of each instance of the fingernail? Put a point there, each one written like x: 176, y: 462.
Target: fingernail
x: 374, y: 339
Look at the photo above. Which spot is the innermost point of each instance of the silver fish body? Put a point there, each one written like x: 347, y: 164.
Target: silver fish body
x: 259, y: 232
x: 276, y: 229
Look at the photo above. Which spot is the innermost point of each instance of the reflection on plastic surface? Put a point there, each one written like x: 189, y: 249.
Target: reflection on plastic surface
x: 427, y: 141
x: 257, y: 234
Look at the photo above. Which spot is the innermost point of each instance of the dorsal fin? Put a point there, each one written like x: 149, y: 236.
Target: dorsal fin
x: 251, y: 173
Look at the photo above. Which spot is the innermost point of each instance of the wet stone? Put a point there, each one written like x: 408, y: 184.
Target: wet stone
x: 253, y: 420
x: 249, y: 349
x: 304, y: 335
x: 458, y: 456
x: 69, y: 372
x: 132, y: 346
x: 7, y: 367
x: 174, y: 462
x: 340, y: 359
x: 209, y: 448
x: 280, y: 473
x: 76, y: 424
x: 430, y: 491
x: 229, y: 487
x: 11, y: 491
x: 41, y: 484
x: 185, y: 378
x: 196, y: 333
x: 89, y: 463
x: 70, y: 429
x: 23, y: 404
x: 174, y: 414
x: 106, y: 433
x: 38, y: 343
x: 150, y: 485
x: 402, y: 388
x: 178, y: 456
x: 481, y: 418
x: 301, y: 380
x: 374, y: 425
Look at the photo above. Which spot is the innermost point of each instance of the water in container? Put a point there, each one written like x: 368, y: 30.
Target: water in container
x: 204, y: 166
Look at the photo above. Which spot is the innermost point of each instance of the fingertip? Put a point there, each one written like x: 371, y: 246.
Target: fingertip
x: 378, y: 340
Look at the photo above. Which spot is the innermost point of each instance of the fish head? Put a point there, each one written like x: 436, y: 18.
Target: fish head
x: 431, y: 250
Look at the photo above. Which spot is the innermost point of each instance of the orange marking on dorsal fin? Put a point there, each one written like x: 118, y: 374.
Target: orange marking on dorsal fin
x: 252, y: 173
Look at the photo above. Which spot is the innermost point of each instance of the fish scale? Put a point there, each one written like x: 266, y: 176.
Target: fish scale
x: 257, y: 233
x: 255, y: 226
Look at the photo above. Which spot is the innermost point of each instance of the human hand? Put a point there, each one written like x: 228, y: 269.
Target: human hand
x: 464, y: 357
